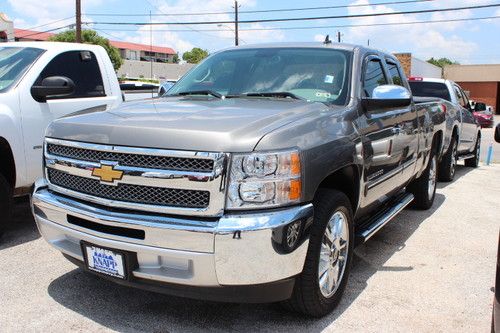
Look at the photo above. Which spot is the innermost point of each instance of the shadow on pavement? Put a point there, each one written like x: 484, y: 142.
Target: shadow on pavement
x: 460, y: 171
x: 22, y: 228
x: 126, y: 309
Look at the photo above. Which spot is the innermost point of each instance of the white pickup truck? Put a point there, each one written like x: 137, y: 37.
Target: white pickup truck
x: 40, y: 82
x: 462, y: 134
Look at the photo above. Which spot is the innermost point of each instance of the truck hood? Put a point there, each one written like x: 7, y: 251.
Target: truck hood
x: 186, y: 123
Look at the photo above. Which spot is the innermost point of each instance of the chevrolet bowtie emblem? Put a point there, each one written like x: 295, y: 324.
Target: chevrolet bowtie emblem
x: 107, y: 174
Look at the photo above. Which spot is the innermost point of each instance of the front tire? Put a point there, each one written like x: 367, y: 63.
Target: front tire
x: 424, y: 187
x: 473, y: 162
x: 319, y: 288
x: 5, y: 202
x: 448, y: 165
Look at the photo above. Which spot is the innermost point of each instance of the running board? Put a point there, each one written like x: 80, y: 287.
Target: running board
x: 382, y: 218
x: 464, y: 157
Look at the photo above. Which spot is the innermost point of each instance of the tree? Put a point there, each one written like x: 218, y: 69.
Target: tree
x: 91, y: 37
x: 195, y: 55
x: 175, y: 58
x: 441, y: 62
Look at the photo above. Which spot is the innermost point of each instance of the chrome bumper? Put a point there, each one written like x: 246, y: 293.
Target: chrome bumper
x: 235, y: 249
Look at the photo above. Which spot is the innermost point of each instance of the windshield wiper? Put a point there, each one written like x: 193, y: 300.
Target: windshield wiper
x: 277, y: 94
x: 200, y: 92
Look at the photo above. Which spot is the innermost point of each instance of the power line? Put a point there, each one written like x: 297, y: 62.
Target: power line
x: 423, y: 11
x: 42, y: 32
x: 334, y: 7
x: 49, y: 23
x: 192, y: 29
x: 327, y: 26
x: 268, y: 10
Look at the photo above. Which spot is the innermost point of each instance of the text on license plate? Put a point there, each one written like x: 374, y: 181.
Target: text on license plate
x: 105, y: 261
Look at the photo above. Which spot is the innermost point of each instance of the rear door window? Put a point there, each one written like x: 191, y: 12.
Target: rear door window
x: 81, y: 67
x: 374, y: 76
x: 465, y: 98
x: 430, y: 89
x: 460, y: 97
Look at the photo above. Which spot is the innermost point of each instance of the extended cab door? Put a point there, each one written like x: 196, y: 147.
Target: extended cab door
x: 82, y: 67
x: 387, y: 137
x: 467, y: 137
x: 407, y: 127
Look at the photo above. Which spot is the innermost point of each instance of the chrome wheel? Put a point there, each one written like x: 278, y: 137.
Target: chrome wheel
x: 432, y: 177
x: 453, y: 159
x: 333, y: 254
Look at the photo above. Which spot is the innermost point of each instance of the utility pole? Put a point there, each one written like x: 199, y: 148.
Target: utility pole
x: 339, y: 36
x: 78, y: 21
x: 236, y: 23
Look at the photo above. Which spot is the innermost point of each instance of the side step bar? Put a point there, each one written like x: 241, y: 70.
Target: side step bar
x: 464, y: 157
x: 383, y: 218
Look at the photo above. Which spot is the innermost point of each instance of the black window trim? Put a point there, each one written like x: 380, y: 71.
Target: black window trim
x: 75, y: 97
x: 368, y: 58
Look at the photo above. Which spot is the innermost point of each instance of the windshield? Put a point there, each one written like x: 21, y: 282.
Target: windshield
x: 313, y: 74
x: 14, y: 61
x: 430, y: 89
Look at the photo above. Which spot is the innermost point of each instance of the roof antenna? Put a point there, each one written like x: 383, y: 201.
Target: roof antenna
x: 327, y: 40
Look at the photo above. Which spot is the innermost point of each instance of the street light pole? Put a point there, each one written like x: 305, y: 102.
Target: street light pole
x: 78, y: 16
x: 236, y: 23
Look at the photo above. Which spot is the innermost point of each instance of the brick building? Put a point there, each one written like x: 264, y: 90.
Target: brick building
x: 481, y: 82
x: 415, y: 67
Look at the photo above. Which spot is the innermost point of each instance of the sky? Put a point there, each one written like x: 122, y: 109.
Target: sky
x: 468, y: 42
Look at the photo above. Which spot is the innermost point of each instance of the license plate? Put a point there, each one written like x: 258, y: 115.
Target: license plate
x: 105, y: 261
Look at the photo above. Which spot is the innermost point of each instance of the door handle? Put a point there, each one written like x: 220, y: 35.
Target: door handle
x: 396, y: 130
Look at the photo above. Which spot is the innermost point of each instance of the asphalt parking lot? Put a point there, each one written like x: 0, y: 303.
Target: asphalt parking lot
x: 427, y: 271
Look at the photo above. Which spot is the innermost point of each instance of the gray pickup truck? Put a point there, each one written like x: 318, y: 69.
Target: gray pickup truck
x: 251, y: 180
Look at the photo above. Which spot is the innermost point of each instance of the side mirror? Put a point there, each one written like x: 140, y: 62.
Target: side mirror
x: 387, y: 96
x: 53, y: 87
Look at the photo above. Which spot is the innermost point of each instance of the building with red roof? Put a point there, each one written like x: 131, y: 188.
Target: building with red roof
x: 128, y: 51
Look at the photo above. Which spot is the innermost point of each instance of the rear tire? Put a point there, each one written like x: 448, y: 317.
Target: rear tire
x: 320, y: 286
x: 448, y: 165
x: 424, y: 187
x: 473, y: 162
x: 5, y: 203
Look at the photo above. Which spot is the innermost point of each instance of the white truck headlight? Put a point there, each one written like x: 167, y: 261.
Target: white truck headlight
x: 260, y: 180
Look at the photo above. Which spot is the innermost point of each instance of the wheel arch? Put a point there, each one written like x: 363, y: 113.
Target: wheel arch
x: 7, y: 164
x: 346, y: 180
x: 438, y: 143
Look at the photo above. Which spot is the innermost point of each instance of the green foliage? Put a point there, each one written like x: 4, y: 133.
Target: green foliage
x: 195, y: 55
x: 91, y: 37
x: 441, y: 62
x: 176, y: 58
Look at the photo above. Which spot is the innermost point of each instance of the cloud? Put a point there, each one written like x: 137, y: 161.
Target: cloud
x: 194, y: 36
x: 423, y: 40
x: 319, y: 38
x: 36, y: 12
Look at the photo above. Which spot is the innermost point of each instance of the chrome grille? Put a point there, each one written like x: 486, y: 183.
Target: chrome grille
x: 149, y: 179
x: 133, y: 160
x: 131, y: 193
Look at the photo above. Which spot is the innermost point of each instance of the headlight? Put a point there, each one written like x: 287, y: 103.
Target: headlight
x: 261, y: 180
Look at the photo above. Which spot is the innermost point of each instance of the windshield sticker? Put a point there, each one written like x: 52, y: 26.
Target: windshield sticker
x: 323, y: 94
x: 329, y: 78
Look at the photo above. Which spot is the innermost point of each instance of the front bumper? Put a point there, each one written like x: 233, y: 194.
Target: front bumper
x: 485, y: 123
x: 222, y: 255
